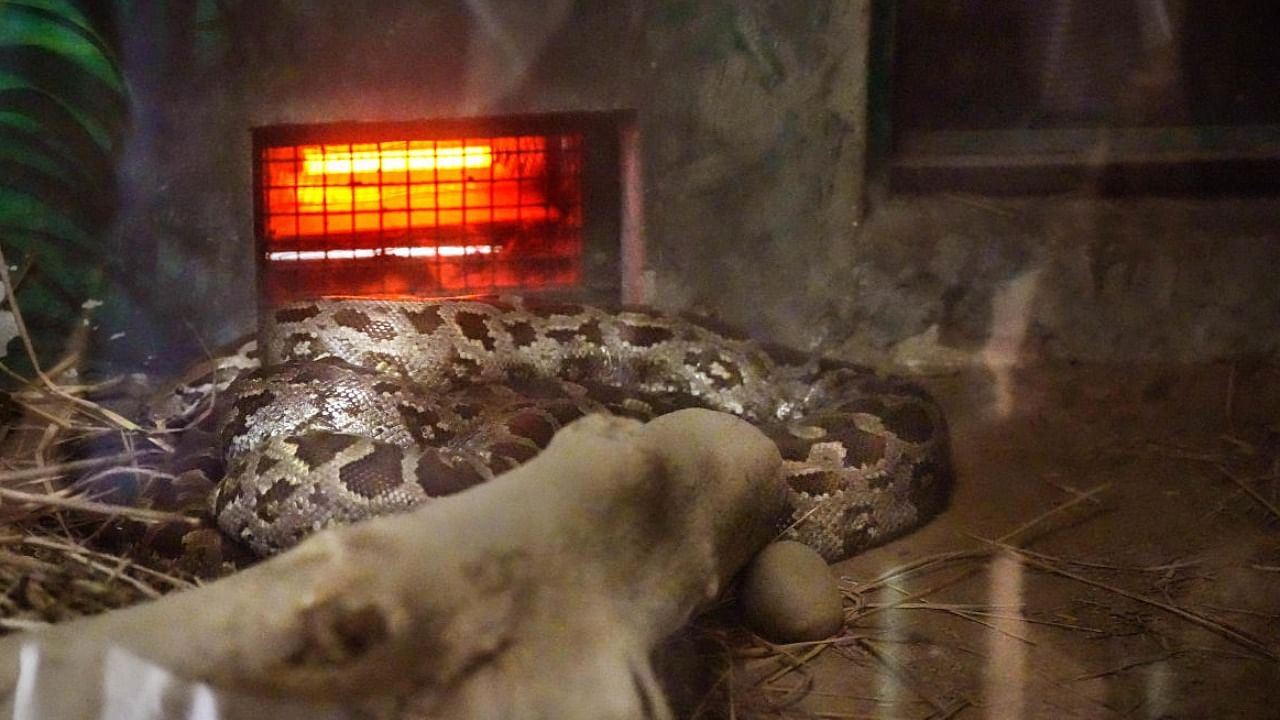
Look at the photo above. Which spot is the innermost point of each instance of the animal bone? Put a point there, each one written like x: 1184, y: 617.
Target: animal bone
x: 540, y: 594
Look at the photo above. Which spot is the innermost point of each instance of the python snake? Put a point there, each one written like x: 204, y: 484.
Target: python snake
x: 367, y: 407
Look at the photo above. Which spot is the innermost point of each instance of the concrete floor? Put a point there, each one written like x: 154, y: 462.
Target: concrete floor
x: 1171, y: 608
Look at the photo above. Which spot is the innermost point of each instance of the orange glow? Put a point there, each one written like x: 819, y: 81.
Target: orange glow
x: 315, y: 162
x: 420, y: 218
x: 332, y: 190
x: 444, y: 251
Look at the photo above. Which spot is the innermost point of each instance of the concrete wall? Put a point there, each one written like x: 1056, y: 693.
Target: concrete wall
x: 752, y: 130
x: 952, y: 279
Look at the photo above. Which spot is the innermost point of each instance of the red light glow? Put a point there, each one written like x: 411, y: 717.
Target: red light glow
x: 443, y: 251
x: 425, y: 217
x: 316, y: 162
x: 375, y: 187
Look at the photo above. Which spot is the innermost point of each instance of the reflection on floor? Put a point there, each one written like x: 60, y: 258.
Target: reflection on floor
x: 1112, y: 550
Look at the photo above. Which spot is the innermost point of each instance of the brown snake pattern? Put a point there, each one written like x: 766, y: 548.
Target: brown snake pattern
x: 366, y: 407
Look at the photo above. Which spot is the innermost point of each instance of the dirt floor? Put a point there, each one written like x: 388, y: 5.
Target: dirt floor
x: 1111, y: 550
x: 1144, y: 583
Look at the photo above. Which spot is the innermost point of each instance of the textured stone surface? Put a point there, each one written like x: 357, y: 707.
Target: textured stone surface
x: 788, y: 594
x: 751, y: 118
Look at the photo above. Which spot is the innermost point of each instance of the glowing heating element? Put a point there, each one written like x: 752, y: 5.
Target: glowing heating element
x: 436, y: 216
x: 380, y: 161
x: 358, y: 180
x: 375, y: 187
x: 445, y: 251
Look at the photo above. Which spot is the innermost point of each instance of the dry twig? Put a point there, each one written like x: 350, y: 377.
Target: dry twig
x: 48, y: 471
x: 1225, y: 630
x: 89, y: 506
x: 1248, y: 489
x: 1130, y: 665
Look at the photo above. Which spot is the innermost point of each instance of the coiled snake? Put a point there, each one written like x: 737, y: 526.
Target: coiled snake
x: 366, y: 407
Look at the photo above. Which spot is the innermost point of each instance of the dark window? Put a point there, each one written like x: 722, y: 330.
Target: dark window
x: 1110, y: 96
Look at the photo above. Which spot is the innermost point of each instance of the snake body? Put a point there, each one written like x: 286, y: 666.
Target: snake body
x: 367, y: 407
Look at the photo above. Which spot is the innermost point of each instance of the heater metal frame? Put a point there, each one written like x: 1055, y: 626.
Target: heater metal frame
x: 610, y: 226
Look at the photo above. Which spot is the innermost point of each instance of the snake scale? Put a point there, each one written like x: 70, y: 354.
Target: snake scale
x: 366, y: 407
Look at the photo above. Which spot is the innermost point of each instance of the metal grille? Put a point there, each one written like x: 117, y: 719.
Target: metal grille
x: 406, y: 216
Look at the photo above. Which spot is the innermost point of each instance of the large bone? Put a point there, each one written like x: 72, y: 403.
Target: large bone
x: 538, y: 595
